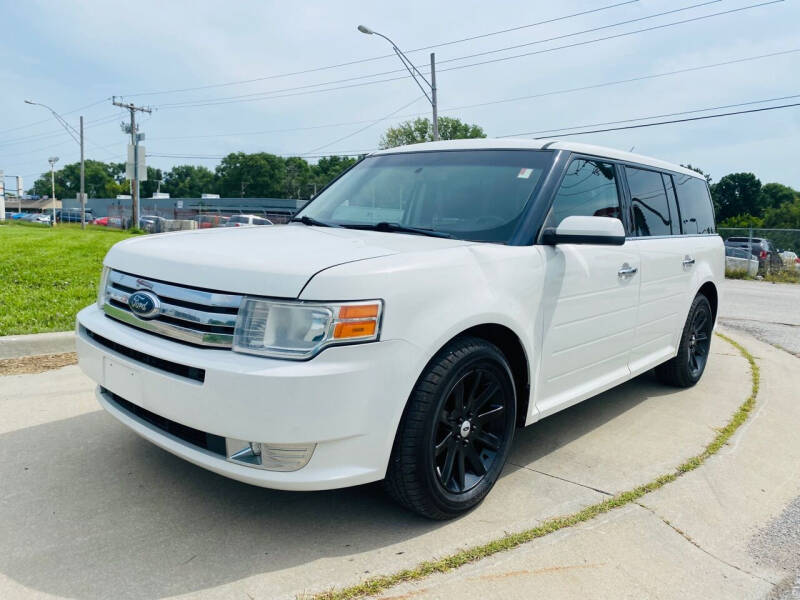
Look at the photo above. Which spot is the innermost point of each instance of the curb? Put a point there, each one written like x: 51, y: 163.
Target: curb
x: 17, y: 346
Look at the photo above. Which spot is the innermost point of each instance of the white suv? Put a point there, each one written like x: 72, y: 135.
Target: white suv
x: 429, y: 301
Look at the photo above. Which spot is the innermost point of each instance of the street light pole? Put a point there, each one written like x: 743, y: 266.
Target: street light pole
x: 53, y: 160
x: 83, y: 196
x: 71, y: 131
x: 430, y: 93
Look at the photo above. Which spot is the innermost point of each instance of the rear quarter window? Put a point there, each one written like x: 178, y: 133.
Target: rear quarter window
x: 694, y: 201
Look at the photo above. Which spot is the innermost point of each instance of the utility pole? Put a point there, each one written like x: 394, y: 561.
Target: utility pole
x: 433, y: 99
x: 135, y: 142
x: 52, y: 160
x: 83, y: 196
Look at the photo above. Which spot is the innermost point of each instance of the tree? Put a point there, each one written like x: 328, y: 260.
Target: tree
x: 421, y: 130
x: 774, y: 195
x: 785, y: 216
x: 102, y: 180
x: 189, y: 181
x: 737, y: 194
x: 328, y: 168
x: 698, y: 170
x: 298, y: 178
x: 742, y: 221
x: 252, y: 175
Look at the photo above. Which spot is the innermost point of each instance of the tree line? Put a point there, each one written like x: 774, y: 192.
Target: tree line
x: 239, y: 174
x: 740, y: 199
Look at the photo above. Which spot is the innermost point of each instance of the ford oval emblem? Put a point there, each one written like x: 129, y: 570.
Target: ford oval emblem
x: 144, y: 305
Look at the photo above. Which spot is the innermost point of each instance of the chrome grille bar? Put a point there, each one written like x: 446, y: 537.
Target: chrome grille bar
x: 186, y: 315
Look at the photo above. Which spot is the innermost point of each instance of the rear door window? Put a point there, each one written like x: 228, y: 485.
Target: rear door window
x: 589, y: 189
x: 694, y: 202
x: 649, y: 205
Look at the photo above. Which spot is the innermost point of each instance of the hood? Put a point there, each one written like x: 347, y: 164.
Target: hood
x: 274, y: 261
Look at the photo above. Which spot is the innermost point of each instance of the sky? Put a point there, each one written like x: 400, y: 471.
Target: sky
x: 223, y: 77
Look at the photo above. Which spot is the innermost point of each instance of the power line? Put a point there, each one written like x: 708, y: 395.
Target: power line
x: 284, y: 155
x: 53, y: 133
x: 375, y: 58
x: 69, y: 112
x: 493, y: 102
x: 356, y: 132
x: 306, y: 89
x: 686, y: 120
x: 672, y: 114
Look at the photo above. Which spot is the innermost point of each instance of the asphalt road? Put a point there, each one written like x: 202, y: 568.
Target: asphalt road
x: 768, y: 311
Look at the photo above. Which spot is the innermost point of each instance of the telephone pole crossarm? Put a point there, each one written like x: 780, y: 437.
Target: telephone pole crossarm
x: 135, y: 142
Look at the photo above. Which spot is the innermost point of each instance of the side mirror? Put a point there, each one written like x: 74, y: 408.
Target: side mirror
x: 586, y: 230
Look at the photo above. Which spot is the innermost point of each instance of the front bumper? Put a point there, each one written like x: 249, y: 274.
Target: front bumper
x: 348, y: 400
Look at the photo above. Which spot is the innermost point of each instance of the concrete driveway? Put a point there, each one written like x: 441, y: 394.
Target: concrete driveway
x: 769, y: 311
x: 88, y: 510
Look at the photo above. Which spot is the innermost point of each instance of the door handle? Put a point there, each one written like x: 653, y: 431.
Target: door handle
x: 626, y: 271
x: 688, y: 261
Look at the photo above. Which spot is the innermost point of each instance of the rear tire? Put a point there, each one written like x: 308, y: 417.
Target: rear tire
x: 687, y: 367
x: 456, y: 432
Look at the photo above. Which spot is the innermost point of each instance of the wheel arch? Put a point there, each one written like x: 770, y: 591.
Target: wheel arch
x: 709, y: 290
x: 512, y: 348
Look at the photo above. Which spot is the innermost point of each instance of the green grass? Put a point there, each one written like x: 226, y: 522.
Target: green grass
x: 48, y: 274
x: 380, y: 583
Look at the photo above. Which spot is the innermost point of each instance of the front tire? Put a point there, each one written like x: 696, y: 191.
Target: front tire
x: 456, y: 432
x: 687, y: 367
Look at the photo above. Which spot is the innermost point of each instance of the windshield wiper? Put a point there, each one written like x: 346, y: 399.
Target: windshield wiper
x: 397, y: 228
x: 311, y: 221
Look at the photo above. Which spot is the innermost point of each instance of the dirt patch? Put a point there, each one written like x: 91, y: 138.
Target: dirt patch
x: 28, y: 365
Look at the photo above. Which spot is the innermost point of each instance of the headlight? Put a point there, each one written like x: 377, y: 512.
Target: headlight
x: 101, y: 292
x: 299, y: 330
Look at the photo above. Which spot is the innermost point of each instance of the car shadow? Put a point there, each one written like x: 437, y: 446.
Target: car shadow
x: 89, y: 510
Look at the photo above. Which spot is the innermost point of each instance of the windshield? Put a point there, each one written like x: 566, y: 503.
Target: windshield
x: 476, y: 195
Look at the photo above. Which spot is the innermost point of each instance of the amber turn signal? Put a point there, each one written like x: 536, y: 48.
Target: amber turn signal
x: 361, y: 311
x: 354, y: 329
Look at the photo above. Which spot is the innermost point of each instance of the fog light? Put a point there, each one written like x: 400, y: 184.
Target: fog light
x: 271, y: 457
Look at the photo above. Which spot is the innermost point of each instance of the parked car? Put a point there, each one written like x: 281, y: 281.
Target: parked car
x: 151, y: 223
x: 740, y: 259
x: 16, y: 216
x: 790, y: 259
x: 762, y: 248
x: 210, y: 220
x: 73, y: 215
x: 37, y: 218
x: 109, y: 222
x: 241, y: 220
x: 414, y: 314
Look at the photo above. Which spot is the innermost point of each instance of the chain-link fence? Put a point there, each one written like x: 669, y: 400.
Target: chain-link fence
x: 156, y: 220
x: 770, y: 253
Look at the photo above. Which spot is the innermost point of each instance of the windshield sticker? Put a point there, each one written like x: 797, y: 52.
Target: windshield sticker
x: 524, y: 173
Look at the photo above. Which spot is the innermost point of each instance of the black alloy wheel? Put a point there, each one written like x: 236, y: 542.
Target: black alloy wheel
x: 687, y: 367
x: 470, y: 431
x: 456, y: 432
x: 699, y: 340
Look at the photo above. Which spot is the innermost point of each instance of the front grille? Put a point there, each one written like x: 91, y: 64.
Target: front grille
x: 151, y: 361
x: 195, y: 437
x: 187, y: 314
